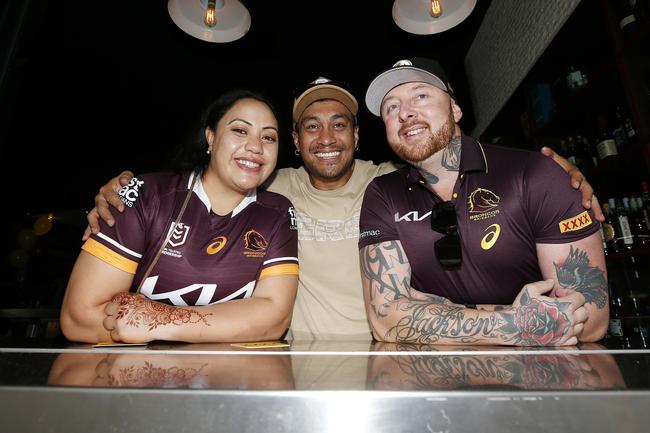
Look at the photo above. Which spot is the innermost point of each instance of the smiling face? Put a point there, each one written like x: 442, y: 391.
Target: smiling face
x: 420, y: 120
x: 243, y: 146
x: 326, y: 136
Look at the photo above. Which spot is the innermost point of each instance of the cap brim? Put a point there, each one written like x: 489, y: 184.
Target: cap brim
x: 392, y: 78
x: 324, y: 91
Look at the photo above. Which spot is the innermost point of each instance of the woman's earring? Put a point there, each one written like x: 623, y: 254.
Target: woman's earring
x: 208, y: 151
x: 296, y: 152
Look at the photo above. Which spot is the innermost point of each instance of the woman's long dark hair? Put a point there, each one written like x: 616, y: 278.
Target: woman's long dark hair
x: 192, y: 157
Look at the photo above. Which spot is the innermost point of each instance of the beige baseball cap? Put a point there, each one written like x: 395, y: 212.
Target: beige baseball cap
x: 323, y: 88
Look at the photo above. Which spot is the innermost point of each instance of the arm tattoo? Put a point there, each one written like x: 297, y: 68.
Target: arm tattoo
x: 428, y: 323
x: 379, y: 269
x: 426, y: 319
x: 451, y: 155
x: 383, y: 265
x: 536, y: 322
x: 575, y: 273
x: 140, y: 311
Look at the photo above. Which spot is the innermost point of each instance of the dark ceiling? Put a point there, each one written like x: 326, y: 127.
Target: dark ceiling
x: 115, y: 84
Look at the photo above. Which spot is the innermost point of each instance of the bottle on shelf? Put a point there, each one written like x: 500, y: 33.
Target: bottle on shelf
x: 589, y: 157
x: 590, y: 151
x: 645, y: 197
x: 609, y: 229
x: 643, y: 213
x: 627, y: 24
x: 619, y: 133
x: 637, y: 222
x: 625, y: 239
x: 606, y: 145
x: 571, y: 153
x: 615, y: 326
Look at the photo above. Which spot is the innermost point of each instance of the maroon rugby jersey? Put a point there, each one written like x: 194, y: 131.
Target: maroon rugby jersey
x: 209, y: 258
x: 506, y: 201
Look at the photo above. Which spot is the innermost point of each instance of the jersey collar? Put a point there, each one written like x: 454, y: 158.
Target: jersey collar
x: 203, y: 196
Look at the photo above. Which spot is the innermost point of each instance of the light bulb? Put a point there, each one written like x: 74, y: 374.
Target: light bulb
x: 210, y: 18
x: 436, y: 8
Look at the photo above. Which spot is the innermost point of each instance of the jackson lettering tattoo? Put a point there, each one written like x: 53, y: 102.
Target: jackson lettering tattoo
x: 425, y: 319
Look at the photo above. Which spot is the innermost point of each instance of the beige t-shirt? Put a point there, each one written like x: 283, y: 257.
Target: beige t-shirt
x: 329, y: 303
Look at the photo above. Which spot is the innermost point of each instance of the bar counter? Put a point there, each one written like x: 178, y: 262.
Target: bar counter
x: 324, y: 386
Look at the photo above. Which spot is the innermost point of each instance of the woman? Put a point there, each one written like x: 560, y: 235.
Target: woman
x: 200, y: 256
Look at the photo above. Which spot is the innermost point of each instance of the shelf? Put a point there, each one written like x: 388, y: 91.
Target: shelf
x: 637, y: 251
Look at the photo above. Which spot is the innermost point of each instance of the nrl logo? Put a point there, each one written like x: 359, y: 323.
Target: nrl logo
x: 179, y: 236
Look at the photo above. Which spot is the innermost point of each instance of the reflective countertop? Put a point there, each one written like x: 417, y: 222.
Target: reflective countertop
x: 311, y: 385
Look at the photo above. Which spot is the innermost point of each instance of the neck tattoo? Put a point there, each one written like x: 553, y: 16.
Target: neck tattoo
x: 430, y: 178
x: 451, y: 155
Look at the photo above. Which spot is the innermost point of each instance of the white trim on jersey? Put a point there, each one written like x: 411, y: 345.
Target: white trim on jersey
x: 118, y: 245
x: 279, y: 259
x: 203, y: 196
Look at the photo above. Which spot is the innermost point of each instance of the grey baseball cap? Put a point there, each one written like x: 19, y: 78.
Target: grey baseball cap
x: 416, y: 69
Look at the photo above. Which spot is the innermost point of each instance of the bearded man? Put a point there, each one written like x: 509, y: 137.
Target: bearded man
x: 472, y: 243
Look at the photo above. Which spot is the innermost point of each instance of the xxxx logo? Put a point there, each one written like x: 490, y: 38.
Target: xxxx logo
x: 576, y: 223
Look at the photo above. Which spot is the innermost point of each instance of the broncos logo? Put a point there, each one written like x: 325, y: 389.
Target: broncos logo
x: 482, y: 200
x: 254, y: 241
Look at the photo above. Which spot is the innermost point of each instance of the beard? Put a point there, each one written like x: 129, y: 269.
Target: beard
x: 435, y: 142
x: 328, y: 172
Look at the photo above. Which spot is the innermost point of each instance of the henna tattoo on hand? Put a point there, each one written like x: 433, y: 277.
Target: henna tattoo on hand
x: 535, y: 322
x: 576, y: 274
x: 140, y: 311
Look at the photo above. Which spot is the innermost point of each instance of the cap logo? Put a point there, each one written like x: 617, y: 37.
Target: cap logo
x: 403, y: 63
x: 321, y: 80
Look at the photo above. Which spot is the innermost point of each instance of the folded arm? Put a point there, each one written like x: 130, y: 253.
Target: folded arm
x: 98, y: 307
x: 579, y: 267
x: 399, y: 313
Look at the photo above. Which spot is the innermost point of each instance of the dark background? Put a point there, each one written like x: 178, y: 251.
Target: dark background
x: 116, y: 85
x: 89, y: 88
